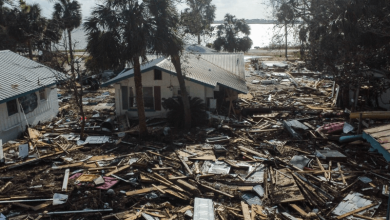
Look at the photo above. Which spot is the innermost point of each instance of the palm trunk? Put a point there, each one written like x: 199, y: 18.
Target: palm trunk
x: 139, y: 98
x: 184, y: 95
x: 29, y: 49
x: 70, y: 51
x: 81, y: 103
x: 199, y: 39
x: 285, y: 30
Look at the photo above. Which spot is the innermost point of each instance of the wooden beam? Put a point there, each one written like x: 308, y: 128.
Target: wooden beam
x: 118, y: 170
x: 245, y: 211
x: 356, y: 210
x: 145, y: 190
x: 341, y: 173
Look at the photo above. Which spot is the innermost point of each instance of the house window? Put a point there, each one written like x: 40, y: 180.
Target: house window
x: 12, y: 107
x: 132, y: 101
x: 148, y: 97
x: 125, y: 97
x: 29, y: 102
x: 42, y: 94
x: 157, y: 74
x: 177, y: 92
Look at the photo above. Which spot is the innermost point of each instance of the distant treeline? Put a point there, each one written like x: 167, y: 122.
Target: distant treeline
x: 253, y: 21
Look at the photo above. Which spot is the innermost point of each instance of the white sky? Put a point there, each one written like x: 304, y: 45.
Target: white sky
x: 248, y: 9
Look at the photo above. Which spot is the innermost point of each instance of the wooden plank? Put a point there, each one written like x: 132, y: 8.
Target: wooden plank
x: 42, y: 205
x: 170, y: 177
x: 118, y: 170
x: 218, y: 191
x: 252, y: 152
x: 245, y: 211
x: 253, y: 213
x: 341, y: 173
x: 384, y: 140
x: 162, y: 168
x: 364, y: 217
x: 187, y: 185
x: 322, y: 168
x: 185, y: 209
x: 380, y: 134
x: 377, y: 129
x: 173, y: 217
x: 144, y: 190
x: 355, y: 211
x: 299, y: 210
x: 258, y: 209
x: 154, y: 214
x: 158, y: 189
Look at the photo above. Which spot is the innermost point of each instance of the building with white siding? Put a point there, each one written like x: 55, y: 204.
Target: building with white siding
x: 28, y: 94
x: 213, y: 77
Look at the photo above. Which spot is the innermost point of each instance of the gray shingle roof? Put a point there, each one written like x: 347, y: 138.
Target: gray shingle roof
x: 20, y: 76
x: 195, y: 69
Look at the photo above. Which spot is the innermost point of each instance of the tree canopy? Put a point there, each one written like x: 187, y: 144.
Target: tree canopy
x: 233, y: 35
x: 345, y: 38
x: 198, y: 17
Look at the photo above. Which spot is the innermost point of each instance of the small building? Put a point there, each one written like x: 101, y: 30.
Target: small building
x: 213, y: 77
x: 28, y: 94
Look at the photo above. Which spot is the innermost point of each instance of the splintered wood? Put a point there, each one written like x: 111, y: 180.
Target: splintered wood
x: 286, y: 189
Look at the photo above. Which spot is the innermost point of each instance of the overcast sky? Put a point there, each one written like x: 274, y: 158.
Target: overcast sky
x: 248, y: 9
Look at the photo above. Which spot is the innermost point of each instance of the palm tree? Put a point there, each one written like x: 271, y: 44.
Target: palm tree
x: 26, y: 25
x: 228, y: 35
x: 69, y: 14
x: 166, y: 41
x: 126, y: 26
x: 198, y: 17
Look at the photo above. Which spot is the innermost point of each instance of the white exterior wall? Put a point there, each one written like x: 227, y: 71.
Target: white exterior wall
x: 195, y: 90
x: 384, y: 100
x: 12, y: 126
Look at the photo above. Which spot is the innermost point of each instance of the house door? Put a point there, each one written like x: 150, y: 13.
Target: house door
x: 157, y: 98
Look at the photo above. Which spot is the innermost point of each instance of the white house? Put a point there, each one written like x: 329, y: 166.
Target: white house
x: 212, y: 77
x: 28, y: 94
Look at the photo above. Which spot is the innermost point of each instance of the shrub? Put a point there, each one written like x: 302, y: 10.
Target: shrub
x: 175, y: 116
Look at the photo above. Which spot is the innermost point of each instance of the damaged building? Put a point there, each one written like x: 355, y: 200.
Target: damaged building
x: 211, y: 77
x: 28, y: 94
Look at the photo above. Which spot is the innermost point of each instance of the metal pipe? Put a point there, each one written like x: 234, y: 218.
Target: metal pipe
x: 26, y: 200
x: 77, y: 211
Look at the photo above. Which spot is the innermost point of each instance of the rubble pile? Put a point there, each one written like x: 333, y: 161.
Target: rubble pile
x: 288, y: 154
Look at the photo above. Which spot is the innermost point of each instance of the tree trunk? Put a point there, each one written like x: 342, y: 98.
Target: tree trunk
x: 29, y: 49
x: 186, y: 102
x: 139, y: 98
x: 70, y: 51
x: 81, y: 102
x: 285, y: 30
x: 199, y: 39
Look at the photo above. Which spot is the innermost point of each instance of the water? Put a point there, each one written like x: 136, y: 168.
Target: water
x: 261, y: 34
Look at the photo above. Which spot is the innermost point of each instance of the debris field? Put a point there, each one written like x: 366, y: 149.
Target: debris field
x: 285, y: 152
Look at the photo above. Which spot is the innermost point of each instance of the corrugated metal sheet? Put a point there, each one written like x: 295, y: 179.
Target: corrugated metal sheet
x: 354, y: 201
x: 20, y: 76
x: 203, y: 209
x: 196, y: 69
x: 232, y: 62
